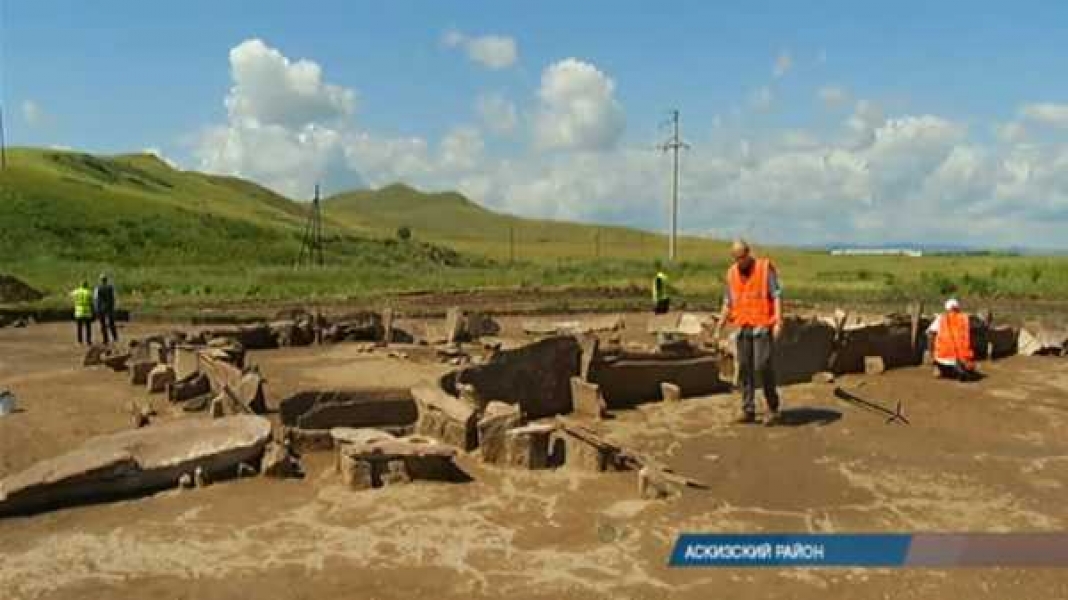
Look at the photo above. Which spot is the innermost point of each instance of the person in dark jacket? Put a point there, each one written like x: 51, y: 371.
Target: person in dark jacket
x: 104, y: 305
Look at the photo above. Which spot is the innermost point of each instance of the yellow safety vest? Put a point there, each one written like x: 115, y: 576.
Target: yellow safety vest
x: 83, y: 303
x: 660, y: 292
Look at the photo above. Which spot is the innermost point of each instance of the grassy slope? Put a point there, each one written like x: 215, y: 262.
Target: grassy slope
x: 452, y: 219
x: 592, y: 255
x: 170, y: 235
x: 173, y: 237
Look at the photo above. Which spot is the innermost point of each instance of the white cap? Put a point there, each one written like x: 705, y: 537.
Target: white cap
x: 952, y: 304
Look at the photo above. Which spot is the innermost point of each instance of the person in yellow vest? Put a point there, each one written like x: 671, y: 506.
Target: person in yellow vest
x: 661, y: 294
x: 752, y: 302
x: 950, y: 338
x: 82, y: 296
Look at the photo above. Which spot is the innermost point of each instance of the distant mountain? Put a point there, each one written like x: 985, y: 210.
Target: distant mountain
x: 137, y: 210
x: 452, y: 219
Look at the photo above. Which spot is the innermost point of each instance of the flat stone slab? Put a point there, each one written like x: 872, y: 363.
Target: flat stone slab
x: 575, y: 327
x: 326, y: 409
x: 633, y: 380
x: 387, y: 461
x: 358, y: 435
x: 136, y: 461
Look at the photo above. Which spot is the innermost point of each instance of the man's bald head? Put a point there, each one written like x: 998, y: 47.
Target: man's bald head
x: 739, y: 249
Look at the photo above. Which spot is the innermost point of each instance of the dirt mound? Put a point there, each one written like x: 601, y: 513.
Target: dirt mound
x: 13, y: 289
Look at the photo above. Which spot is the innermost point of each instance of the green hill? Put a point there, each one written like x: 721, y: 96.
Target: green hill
x: 173, y: 237
x: 134, y: 209
x: 69, y: 215
x: 450, y: 218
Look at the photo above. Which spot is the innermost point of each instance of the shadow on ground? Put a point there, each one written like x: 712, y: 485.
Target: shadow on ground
x: 807, y: 415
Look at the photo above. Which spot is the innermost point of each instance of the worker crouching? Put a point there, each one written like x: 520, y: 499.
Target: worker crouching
x: 950, y: 337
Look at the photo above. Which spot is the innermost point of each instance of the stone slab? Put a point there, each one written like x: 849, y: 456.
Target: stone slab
x: 136, y: 461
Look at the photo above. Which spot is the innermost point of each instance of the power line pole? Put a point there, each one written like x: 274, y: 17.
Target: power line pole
x: 3, y: 140
x: 511, y: 244
x: 312, y: 244
x: 674, y: 144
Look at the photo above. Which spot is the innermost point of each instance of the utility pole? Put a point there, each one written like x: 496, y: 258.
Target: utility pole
x: 3, y: 138
x: 511, y: 244
x: 674, y: 144
x: 3, y: 141
x: 312, y: 244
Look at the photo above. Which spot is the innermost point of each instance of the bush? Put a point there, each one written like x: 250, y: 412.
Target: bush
x: 404, y: 233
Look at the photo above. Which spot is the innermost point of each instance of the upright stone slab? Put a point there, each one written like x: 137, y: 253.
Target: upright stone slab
x: 591, y: 345
x: 890, y: 338
x: 445, y: 417
x: 476, y: 325
x: 387, y: 325
x: 279, y: 462
x: 189, y: 387
x: 159, y: 378
x: 874, y: 365
x: 587, y: 450
x: 536, y: 376
x: 670, y: 392
x: 116, y: 361
x: 247, y: 387
x: 493, y: 427
x: 454, y: 325
x: 249, y: 391
x: 803, y: 349
x: 527, y: 447
x: 94, y: 356
x: 586, y: 399
x: 185, y: 361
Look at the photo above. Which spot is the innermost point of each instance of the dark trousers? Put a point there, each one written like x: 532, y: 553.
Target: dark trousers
x: 107, y: 325
x: 958, y: 372
x: 662, y: 306
x: 754, y: 356
x: 84, y: 324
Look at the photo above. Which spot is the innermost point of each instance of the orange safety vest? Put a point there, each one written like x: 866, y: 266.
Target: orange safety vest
x: 751, y: 303
x: 954, y: 338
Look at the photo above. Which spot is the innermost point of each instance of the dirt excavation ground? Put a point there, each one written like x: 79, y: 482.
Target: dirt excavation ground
x: 990, y: 456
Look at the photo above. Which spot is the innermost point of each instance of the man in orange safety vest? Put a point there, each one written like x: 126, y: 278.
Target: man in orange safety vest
x: 752, y: 302
x: 950, y: 339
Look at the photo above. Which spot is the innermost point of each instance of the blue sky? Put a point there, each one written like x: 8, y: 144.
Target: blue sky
x: 857, y: 122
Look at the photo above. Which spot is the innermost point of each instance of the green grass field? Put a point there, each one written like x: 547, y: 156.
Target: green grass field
x: 179, y: 238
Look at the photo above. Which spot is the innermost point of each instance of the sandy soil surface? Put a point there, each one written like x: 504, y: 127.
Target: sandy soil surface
x: 990, y: 456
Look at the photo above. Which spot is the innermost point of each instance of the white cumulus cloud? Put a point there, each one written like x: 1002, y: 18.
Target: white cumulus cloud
x: 491, y: 51
x: 270, y: 89
x: 872, y: 178
x: 1047, y: 113
x: 498, y: 114
x: 578, y: 108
